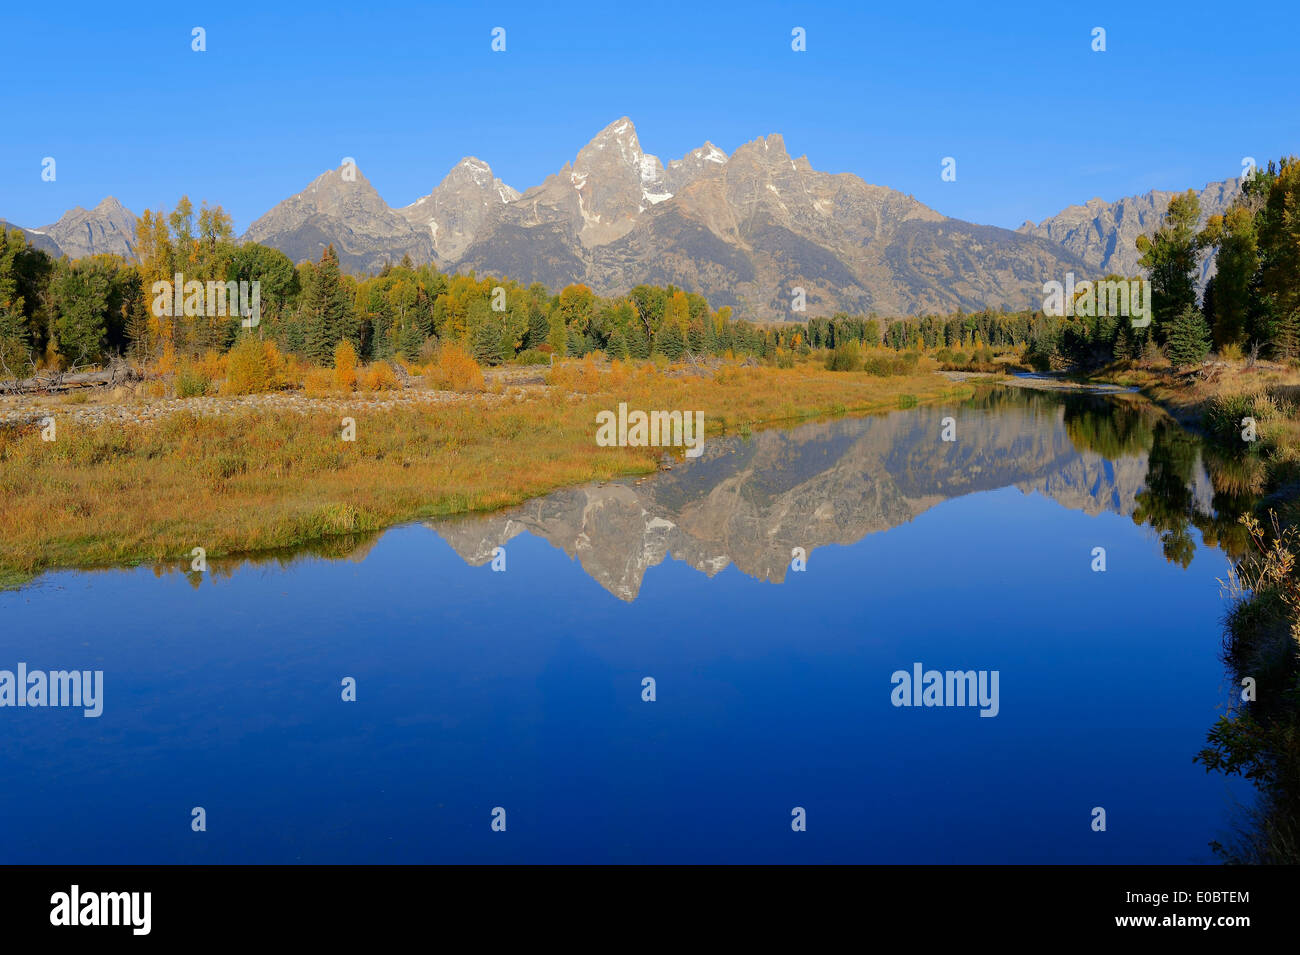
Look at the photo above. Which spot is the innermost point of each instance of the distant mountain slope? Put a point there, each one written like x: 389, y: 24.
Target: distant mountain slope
x: 347, y: 212
x: 109, y: 228
x: 1104, y: 234
x: 34, y: 238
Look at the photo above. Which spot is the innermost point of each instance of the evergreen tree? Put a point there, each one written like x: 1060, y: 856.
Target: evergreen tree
x: 638, y: 345
x: 616, y: 347
x: 669, y: 342
x: 1124, y: 344
x: 487, y: 344
x: 1286, y: 336
x: 1187, y: 338
x: 695, y: 337
x: 539, y: 329
x: 1279, y: 239
x: 326, y: 312
x: 1227, y: 297
x: 577, y: 344
x: 1170, y: 259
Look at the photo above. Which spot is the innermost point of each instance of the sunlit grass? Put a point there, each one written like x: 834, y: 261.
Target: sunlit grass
x: 253, y: 480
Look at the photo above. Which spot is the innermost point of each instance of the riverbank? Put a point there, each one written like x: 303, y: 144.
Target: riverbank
x: 1216, y: 398
x: 1250, y: 414
x: 271, y: 472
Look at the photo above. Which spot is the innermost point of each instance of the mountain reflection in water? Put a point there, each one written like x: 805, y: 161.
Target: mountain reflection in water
x: 750, y: 502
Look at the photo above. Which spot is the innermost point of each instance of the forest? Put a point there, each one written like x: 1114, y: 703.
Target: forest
x: 61, y: 313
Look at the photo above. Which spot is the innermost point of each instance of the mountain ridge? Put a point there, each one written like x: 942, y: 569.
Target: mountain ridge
x: 755, y: 230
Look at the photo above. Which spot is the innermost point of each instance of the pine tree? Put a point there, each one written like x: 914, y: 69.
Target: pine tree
x: 1187, y: 339
x: 1286, y: 336
x: 487, y: 343
x: 1124, y: 346
x: 577, y: 344
x: 1170, y: 259
x: 638, y: 345
x: 616, y: 347
x: 539, y: 329
x: 695, y: 337
x: 669, y: 342
x: 327, y: 314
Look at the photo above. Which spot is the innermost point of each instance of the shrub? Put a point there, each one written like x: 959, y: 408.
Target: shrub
x: 533, y: 356
x: 582, y: 377
x: 318, y: 381
x: 212, y: 365
x: 884, y: 366
x: 249, y: 367
x: 345, y: 366
x: 428, y: 353
x: 1224, y: 414
x: 191, y: 381
x: 455, y: 370
x: 844, y: 357
x: 167, y: 360
x: 379, y: 377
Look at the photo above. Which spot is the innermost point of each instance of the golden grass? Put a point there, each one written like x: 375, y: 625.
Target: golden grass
x: 264, y: 479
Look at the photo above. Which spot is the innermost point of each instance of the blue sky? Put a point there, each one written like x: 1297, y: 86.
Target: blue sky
x: 1035, y: 119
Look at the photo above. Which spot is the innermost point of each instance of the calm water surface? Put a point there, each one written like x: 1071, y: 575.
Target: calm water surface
x: 522, y: 689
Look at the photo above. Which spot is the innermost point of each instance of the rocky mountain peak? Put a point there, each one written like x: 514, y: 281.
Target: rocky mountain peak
x: 341, y: 207
x: 472, y: 171
x: 109, y: 228
x: 615, y: 181
x: 459, y: 207
x: 704, y: 161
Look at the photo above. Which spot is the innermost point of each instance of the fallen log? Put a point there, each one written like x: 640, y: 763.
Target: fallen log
x: 51, y: 382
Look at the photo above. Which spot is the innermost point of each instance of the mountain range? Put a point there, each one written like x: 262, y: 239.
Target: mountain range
x: 747, y: 230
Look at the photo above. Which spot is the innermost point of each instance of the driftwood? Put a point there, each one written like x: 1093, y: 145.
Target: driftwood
x: 118, y: 372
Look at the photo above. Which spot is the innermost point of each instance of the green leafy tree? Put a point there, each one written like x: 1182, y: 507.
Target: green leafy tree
x: 81, y: 293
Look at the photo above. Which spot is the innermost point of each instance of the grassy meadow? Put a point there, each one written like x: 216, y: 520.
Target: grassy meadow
x: 245, y: 480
